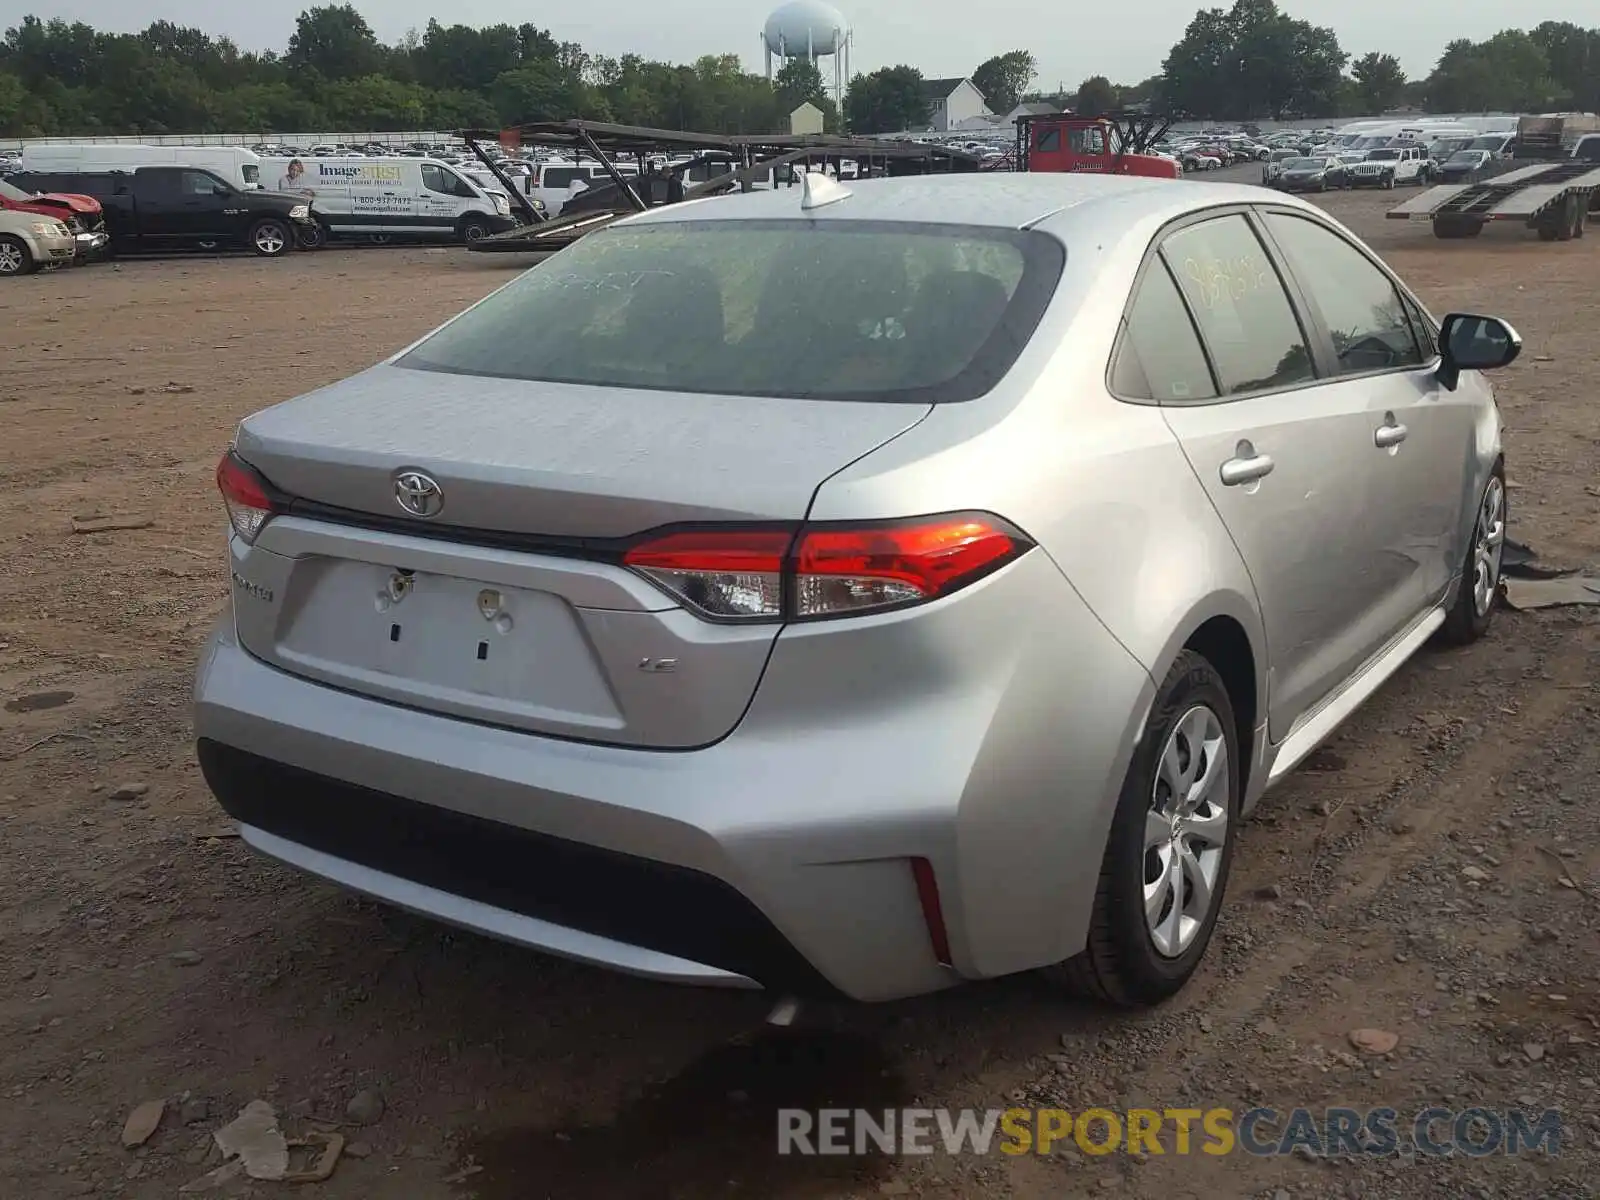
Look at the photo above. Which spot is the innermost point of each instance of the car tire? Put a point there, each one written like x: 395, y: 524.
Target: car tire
x: 15, y: 257
x: 473, y: 231
x: 1142, y: 945
x: 1478, y: 596
x: 271, y: 238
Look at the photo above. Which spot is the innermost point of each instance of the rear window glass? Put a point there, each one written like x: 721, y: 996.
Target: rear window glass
x: 827, y: 310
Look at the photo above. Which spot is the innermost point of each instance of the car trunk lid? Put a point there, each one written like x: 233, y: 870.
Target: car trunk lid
x: 510, y: 605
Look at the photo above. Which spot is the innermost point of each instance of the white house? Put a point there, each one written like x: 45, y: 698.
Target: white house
x: 807, y: 118
x: 952, y: 101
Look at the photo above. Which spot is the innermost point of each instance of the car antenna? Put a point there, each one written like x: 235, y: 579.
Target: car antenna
x: 817, y: 190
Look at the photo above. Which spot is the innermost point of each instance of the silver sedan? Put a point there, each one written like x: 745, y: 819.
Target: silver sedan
x: 854, y: 588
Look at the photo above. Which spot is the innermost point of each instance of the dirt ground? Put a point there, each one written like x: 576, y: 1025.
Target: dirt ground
x: 1435, y: 874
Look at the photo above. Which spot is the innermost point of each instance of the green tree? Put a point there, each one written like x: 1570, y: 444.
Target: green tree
x: 463, y: 58
x: 1253, y: 61
x: 336, y: 42
x: 1096, y: 96
x: 1380, y: 82
x: 1004, y: 78
x: 1509, y: 73
x: 888, y: 100
x: 799, y: 82
x: 1573, y: 54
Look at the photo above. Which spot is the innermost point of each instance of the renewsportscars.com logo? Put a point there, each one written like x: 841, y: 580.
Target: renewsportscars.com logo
x: 1265, y: 1132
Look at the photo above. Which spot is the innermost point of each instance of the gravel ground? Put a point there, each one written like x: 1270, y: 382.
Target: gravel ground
x: 1433, y: 874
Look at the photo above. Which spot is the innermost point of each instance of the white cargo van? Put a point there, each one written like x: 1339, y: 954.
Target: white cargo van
x: 239, y: 166
x: 386, y: 198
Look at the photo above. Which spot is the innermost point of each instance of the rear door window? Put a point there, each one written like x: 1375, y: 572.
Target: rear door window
x: 1240, y: 306
x: 834, y: 310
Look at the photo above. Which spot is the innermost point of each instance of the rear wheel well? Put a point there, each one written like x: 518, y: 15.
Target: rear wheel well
x: 1223, y: 643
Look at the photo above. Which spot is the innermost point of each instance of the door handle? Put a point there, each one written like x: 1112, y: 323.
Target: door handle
x: 1246, y: 470
x: 1388, y: 435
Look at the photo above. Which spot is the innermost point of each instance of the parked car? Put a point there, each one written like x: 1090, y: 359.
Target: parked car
x: 240, y: 167
x: 393, y: 197
x: 1391, y: 165
x: 29, y: 241
x: 1195, y: 160
x: 174, y: 208
x: 1465, y: 166
x: 823, y: 652
x: 1273, y: 167
x: 82, y: 215
x: 1314, y: 174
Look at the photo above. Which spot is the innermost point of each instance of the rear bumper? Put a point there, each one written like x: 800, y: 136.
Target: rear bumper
x: 584, y: 902
x: 780, y: 856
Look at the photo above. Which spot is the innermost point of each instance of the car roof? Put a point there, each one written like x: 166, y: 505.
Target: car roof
x: 999, y: 200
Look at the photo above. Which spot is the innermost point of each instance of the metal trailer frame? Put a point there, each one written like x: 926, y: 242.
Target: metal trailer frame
x: 757, y: 154
x: 1551, y: 197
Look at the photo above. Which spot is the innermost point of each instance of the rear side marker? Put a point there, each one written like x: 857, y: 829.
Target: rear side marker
x: 932, y: 910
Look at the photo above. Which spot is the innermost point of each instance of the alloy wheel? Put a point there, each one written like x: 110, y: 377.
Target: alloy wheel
x: 11, y: 259
x: 1186, y: 831
x: 269, y: 240
x: 1489, y: 540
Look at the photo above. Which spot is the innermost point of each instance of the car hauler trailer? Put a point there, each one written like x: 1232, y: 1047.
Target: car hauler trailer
x: 741, y: 162
x: 1551, y: 198
x: 1552, y: 192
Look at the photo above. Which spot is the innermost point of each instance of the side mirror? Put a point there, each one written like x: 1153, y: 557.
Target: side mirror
x: 219, y: 190
x: 1468, y: 342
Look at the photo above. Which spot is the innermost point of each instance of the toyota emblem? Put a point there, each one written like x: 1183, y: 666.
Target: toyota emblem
x: 418, y: 494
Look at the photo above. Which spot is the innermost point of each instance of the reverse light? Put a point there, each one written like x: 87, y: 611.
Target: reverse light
x: 245, y: 494
x: 758, y: 573
x: 723, y: 574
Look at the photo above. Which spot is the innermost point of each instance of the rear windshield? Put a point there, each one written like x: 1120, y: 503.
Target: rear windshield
x: 826, y: 310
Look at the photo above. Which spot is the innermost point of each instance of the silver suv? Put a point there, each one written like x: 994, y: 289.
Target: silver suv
x: 853, y: 588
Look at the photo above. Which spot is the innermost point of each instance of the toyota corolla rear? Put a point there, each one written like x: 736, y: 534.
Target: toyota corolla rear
x: 531, y: 631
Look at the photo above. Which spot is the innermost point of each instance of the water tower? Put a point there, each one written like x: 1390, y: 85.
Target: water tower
x: 810, y: 29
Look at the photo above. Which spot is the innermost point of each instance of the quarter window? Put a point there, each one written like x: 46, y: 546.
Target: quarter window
x: 1160, y: 357
x: 1239, y: 303
x: 1360, y: 304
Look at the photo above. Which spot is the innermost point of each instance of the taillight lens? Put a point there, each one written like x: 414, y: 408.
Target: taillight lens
x: 245, y: 494
x: 768, y: 574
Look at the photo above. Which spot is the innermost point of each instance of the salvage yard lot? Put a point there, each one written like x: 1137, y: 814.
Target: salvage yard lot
x: 141, y: 957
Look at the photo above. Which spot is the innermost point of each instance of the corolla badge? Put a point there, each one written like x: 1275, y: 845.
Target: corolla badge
x: 418, y: 494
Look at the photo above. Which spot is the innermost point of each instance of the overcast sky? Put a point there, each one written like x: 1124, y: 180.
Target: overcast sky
x: 1070, y: 42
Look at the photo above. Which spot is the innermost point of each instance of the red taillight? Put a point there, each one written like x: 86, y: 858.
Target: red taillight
x: 833, y: 570
x: 245, y: 494
x: 845, y: 570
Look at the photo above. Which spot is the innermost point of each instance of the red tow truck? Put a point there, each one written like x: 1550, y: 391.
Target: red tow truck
x: 81, y: 214
x: 1114, y: 144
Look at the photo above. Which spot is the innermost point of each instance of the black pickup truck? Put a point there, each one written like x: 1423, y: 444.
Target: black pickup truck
x: 172, y: 208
